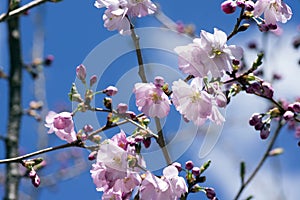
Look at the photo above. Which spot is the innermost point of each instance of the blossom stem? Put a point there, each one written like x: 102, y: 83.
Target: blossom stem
x: 76, y: 143
x: 237, y: 25
x: 136, y: 41
x: 141, y: 127
x: 161, y: 141
x: 159, y: 137
x: 263, y: 159
x: 20, y: 10
x: 103, y: 128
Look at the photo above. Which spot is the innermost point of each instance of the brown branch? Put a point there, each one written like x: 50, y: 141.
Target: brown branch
x: 14, y: 108
x: 262, y: 161
x: 18, y: 159
x: 20, y: 10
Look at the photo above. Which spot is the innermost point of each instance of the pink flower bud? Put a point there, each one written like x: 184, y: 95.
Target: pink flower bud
x: 88, y: 128
x: 110, y: 91
x: 32, y: 173
x: 48, y: 60
x: 177, y: 165
x: 221, y: 100
x: 159, y: 81
x: 93, y: 80
x: 122, y: 108
x: 81, y: 72
x: 196, y: 171
x: 189, y: 165
x: 288, y: 115
x: 92, y: 155
x: 147, y: 142
x: 228, y: 6
x: 36, y: 181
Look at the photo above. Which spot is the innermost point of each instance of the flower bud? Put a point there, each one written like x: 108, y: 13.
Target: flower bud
x: 32, y: 174
x: 92, y: 155
x: 48, y: 60
x: 159, y: 81
x: 276, y: 151
x: 93, y: 80
x: 147, y: 142
x: 268, y: 91
x: 228, y: 6
x: 249, y: 6
x: 138, y: 138
x: 210, y: 193
x: 255, y: 119
x: 110, y: 91
x: 288, y: 115
x: 196, y: 171
x: 265, y: 131
x: 122, y: 108
x: 81, y: 72
x: 36, y: 181
x: 88, y: 128
x: 177, y: 165
x: 189, y: 165
x: 221, y: 100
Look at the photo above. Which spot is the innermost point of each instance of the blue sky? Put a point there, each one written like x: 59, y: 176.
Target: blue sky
x: 74, y: 29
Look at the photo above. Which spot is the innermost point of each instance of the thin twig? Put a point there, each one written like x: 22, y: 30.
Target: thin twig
x: 263, y: 159
x: 237, y: 25
x: 136, y: 41
x: 161, y: 141
x: 77, y: 143
x: 18, y: 11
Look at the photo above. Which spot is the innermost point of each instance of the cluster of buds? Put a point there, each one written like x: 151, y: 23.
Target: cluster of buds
x: 229, y: 6
x: 34, y: 67
x: 32, y: 165
x: 34, y: 106
x: 261, y: 88
x: 193, y: 177
x: 257, y: 120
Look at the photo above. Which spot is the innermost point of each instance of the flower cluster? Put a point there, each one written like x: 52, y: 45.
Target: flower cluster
x: 116, y: 16
x: 273, y: 11
x: 117, y: 173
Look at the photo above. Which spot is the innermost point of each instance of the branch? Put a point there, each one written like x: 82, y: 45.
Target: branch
x: 14, y: 108
x: 76, y: 143
x: 161, y: 141
x: 262, y: 161
x: 237, y: 25
x: 138, y: 51
x: 18, y: 11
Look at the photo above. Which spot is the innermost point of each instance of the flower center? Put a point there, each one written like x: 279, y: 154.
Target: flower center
x: 155, y: 97
x: 196, y: 97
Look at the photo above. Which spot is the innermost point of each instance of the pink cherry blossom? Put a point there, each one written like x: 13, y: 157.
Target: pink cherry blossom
x: 273, y: 10
x: 140, y: 8
x: 62, y: 124
x: 116, y: 20
x: 209, y: 53
x: 153, y: 188
x: 191, y: 101
x: 196, y: 104
x: 176, y: 183
x: 151, y: 99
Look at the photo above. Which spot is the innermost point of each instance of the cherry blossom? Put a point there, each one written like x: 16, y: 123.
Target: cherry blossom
x: 273, y: 10
x: 151, y: 99
x: 196, y: 104
x: 209, y: 53
x: 140, y: 8
x: 116, y: 173
x: 62, y: 124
